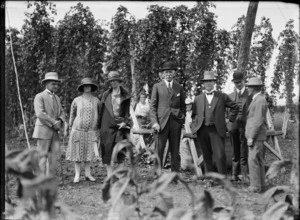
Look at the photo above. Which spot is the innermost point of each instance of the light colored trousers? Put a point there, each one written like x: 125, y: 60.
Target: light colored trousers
x: 256, y: 165
x: 50, y: 151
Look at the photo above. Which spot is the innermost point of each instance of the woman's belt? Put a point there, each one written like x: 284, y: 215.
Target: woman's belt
x: 84, y: 130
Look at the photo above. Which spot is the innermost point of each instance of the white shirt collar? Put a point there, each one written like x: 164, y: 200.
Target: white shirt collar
x: 50, y: 93
x: 242, y: 90
x: 205, y: 91
x: 167, y: 83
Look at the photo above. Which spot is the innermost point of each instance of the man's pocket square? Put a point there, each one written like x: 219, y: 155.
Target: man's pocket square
x: 178, y: 94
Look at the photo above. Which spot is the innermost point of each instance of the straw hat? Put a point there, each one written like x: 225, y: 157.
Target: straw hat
x: 254, y: 82
x: 51, y: 76
x: 209, y: 75
x: 87, y: 81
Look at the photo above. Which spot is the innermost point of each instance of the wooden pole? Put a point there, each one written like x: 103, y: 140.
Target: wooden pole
x: 193, y: 149
x: 244, y: 51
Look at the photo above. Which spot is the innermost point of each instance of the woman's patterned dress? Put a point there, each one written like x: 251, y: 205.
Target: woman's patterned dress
x: 83, y: 124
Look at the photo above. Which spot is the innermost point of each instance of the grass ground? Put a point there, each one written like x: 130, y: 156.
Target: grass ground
x: 85, y: 198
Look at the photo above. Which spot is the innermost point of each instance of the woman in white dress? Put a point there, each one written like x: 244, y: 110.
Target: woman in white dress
x: 84, y: 129
x: 142, y: 110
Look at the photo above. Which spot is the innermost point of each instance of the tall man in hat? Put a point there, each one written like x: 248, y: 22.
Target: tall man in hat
x: 167, y: 113
x: 256, y: 134
x: 50, y: 118
x: 114, y: 117
x: 237, y: 128
x: 209, y: 122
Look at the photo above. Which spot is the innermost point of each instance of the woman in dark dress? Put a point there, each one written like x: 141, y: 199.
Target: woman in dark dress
x: 114, y: 117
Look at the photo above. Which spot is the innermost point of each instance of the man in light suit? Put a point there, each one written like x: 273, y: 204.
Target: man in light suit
x: 167, y: 113
x: 256, y: 134
x: 237, y: 130
x: 50, y: 118
x: 209, y: 123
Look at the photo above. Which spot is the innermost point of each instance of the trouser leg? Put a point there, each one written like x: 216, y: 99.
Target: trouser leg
x: 43, y: 148
x: 218, y: 148
x: 243, y: 154
x: 235, y: 143
x: 54, y: 154
x: 174, y: 143
x: 205, y: 144
x: 160, y: 144
x: 256, y: 165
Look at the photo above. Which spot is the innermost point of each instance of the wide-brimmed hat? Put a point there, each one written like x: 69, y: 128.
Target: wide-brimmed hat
x: 238, y: 76
x: 254, y: 82
x: 87, y: 81
x: 114, y: 75
x: 51, y: 76
x: 169, y: 65
x: 209, y: 75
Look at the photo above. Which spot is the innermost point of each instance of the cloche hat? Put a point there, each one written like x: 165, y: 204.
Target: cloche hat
x: 254, y: 82
x: 51, y: 76
x: 87, y: 81
x: 113, y: 75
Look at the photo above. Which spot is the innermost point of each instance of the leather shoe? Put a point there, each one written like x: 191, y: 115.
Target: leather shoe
x: 90, y: 178
x: 235, y: 179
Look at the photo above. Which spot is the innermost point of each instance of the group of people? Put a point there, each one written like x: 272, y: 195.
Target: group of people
x: 107, y: 121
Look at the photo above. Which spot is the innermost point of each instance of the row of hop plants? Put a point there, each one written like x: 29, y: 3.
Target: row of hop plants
x: 37, y: 192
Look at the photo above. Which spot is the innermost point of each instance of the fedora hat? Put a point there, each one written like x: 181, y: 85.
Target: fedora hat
x: 209, y: 75
x: 254, y: 81
x: 113, y: 75
x: 87, y: 81
x: 51, y: 76
x: 169, y: 65
x: 238, y: 76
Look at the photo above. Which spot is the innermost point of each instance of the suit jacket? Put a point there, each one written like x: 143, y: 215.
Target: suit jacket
x: 164, y: 104
x: 44, y: 110
x: 246, y: 99
x: 219, y: 104
x: 256, y: 126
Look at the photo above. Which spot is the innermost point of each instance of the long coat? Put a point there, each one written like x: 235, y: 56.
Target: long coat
x: 109, y: 132
x: 219, y: 103
x: 256, y: 126
x: 45, y: 113
x: 164, y: 104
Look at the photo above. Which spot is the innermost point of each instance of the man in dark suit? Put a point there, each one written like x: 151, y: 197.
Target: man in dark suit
x: 209, y: 123
x: 167, y: 113
x: 237, y: 130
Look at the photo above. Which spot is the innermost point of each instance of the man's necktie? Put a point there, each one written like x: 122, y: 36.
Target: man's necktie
x: 55, y: 105
x: 239, y: 93
x: 169, y: 88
